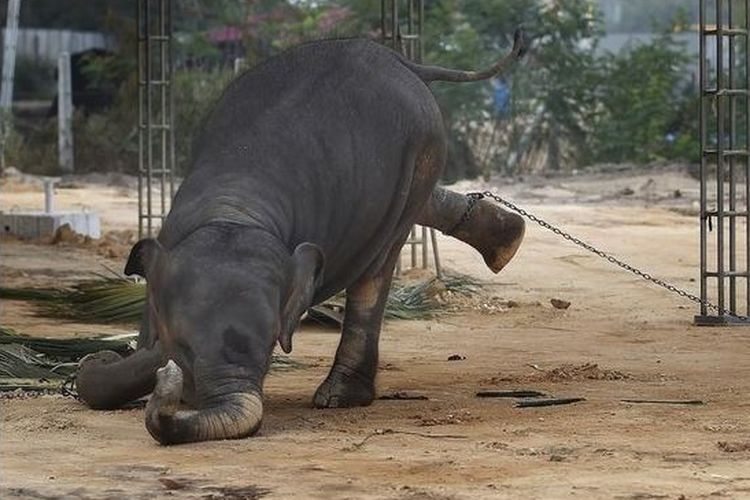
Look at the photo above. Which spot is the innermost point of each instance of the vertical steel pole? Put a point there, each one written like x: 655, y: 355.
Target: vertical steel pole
x: 64, y: 114
x: 394, y: 24
x: 410, y: 22
x: 747, y: 158
x: 141, y: 77
x: 162, y: 110
x: 163, y: 41
x: 436, y: 255
x: 170, y: 97
x: 703, y: 173
x: 10, y: 40
x: 732, y: 184
x: 420, y: 33
x: 383, y: 22
x: 720, y: 152
x: 149, y: 118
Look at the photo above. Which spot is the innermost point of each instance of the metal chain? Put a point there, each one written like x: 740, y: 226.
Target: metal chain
x: 604, y: 255
x: 68, y: 387
x: 471, y: 205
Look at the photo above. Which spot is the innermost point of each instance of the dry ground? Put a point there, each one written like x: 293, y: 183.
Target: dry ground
x: 452, y: 445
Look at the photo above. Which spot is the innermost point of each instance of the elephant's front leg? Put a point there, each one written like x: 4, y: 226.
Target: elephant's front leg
x: 106, y: 381
x: 494, y: 232
x: 351, y: 381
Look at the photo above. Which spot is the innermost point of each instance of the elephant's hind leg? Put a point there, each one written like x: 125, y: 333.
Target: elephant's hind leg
x: 106, y: 381
x: 493, y: 232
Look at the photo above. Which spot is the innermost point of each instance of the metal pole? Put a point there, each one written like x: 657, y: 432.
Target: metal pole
x: 383, y: 24
x: 64, y: 114
x: 720, y: 274
x: 394, y: 24
x: 438, y: 268
x: 9, y: 67
x: 163, y: 145
x: 732, y: 185
x: 703, y: 215
x: 410, y: 22
x: 747, y: 159
x: 9, y: 55
x: 49, y: 196
x: 149, y: 116
x: 170, y: 67
x: 139, y: 59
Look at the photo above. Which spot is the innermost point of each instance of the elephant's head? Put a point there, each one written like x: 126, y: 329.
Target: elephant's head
x: 218, y: 301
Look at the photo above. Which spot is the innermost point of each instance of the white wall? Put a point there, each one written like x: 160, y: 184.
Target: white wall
x: 47, y: 45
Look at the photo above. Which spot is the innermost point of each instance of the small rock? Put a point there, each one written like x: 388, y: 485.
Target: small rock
x: 456, y: 357
x: 734, y: 447
x: 172, y: 484
x: 556, y: 458
x: 559, y: 303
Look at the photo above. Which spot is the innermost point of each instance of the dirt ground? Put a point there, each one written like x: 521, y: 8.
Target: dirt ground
x: 453, y: 444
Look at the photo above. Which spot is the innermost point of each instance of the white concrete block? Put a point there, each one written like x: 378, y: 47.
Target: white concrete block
x: 40, y: 224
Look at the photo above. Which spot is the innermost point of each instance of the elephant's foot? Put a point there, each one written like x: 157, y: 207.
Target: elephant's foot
x: 344, y: 388
x: 492, y: 231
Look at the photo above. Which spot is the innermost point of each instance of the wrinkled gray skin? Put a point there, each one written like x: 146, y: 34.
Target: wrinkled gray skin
x: 306, y: 179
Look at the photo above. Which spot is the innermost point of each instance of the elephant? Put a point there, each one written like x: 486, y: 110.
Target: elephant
x: 306, y: 179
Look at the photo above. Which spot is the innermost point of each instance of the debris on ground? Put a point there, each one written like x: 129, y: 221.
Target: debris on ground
x: 586, y: 371
x: 560, y: 304
x: 564, y: 373
x: 536, y: 403
x: 696, y: 402
x: 734, y: 446
x: 403, y: 396
x: 449, y: 419
x: 510, y: 394
x: 36, y: 365
x: 456, y: 357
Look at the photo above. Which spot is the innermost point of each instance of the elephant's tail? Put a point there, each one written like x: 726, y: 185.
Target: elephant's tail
x: 436, y: 73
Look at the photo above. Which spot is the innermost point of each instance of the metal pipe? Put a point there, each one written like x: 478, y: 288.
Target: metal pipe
x: 170, y: 90
x: 149, y: 116
x: 394, y: 23
x: 412, y: 237
x: 720, y: 155
x: 383, y: 25
x: 410, y: 23
x: 139, y: 58
x: 425, y: 249
x: 436, y: 254
x: 732, y: 184
x: 420, y: 33
x: 163, y: 102
x: 747, y: 160
x: 703, y: 221
x: 49, y: 196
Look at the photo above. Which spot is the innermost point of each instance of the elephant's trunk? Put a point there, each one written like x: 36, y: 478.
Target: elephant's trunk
x: 235, y: 415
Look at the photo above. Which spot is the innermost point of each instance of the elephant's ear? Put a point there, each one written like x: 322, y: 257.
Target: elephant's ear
x: 307, y: 275
x: 142, y: 255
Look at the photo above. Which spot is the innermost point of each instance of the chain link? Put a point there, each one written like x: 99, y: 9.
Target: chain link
x: 604, y: 255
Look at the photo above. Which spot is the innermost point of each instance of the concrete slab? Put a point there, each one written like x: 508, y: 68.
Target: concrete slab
x: 41, y: 224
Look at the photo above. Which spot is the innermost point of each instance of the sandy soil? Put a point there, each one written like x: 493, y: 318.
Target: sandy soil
x: 453, y: 445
